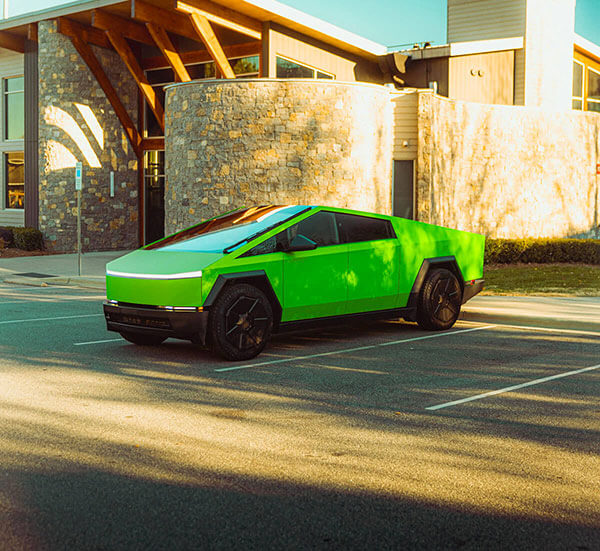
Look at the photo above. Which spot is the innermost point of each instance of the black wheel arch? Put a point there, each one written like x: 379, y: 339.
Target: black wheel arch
x: 257, y: 278
x: 447, y: 262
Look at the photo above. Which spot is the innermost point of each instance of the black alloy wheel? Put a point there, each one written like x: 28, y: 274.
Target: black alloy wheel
x: 141, y: 339
x: 439, y: 301
x: 241, y: 321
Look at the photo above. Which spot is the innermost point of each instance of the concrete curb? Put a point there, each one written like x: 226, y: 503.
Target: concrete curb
x: 75, y: 281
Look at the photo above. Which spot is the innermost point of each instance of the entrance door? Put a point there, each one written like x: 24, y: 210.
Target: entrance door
x: 154, y: 196
x: 403, y: 190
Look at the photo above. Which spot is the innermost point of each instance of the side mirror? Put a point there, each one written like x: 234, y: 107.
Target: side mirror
x: 301, y: 243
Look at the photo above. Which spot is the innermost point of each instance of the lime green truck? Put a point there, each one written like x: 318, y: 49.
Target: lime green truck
x: 231, y: 281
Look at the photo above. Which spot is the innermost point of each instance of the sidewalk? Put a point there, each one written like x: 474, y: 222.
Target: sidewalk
x: 566, y: 313
x: 58, y: 269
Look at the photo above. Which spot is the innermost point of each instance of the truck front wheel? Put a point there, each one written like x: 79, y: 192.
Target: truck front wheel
x: 240, y: 322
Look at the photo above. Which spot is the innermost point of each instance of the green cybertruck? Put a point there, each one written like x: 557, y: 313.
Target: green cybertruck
x: 232, y: 281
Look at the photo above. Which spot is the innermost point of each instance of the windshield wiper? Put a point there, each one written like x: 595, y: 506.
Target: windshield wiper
x: 230, y: 248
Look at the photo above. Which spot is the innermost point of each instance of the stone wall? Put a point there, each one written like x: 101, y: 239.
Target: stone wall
x: 77, y: 123
x: 256, y: 142
x: 507, y: 171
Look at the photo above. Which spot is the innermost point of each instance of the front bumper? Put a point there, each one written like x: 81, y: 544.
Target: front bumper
x: 150, y: 320
x: 472, y: 288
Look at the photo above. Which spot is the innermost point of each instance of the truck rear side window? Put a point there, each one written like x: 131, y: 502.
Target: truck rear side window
x: 354, y: 228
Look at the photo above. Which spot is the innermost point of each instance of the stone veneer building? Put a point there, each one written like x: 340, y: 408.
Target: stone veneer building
x: 179, y: 110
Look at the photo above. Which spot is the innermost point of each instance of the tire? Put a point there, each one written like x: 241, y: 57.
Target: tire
x: 439, y: 301
x: 142, y: 340
x: 240, y: 322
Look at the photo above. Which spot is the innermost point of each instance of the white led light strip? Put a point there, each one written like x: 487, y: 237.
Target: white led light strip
x: 182, y: 275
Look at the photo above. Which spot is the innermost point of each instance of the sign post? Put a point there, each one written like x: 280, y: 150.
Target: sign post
x: 78, y: 180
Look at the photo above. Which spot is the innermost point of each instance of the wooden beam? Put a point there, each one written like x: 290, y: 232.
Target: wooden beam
x: 172, y: 21
x: 202, y: 56
x: 222, y: 16
x: 32, y: 32
x: 125, y: 27
x: 90, y: 59
x: 12, y: 42
x: 124, y: 50
x: 87, y: 34
x: 208, y: 36
x: 153, y: 144
x: 168, y: 50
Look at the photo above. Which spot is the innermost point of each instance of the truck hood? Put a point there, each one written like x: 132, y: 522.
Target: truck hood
x: 161, y: 265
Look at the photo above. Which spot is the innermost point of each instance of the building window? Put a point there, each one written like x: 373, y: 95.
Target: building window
x: 245, y: 67
x: 593, y: 95
x: 12, y: 173
x: 286, y: 68
x: 14, y: 108
x: 578, y: 72
x: 14, y: 176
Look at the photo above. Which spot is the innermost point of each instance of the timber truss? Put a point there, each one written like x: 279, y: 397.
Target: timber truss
x: 196, y: 22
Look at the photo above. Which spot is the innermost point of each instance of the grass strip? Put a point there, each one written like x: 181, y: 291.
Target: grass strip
x: 542, y: 279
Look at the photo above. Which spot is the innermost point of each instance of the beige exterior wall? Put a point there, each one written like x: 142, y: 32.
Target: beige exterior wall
x: 470, y: 20
x: 406, y: 132
x: 11, y: 64
x: 304, y: 50
x: 545, y: 62
x: 482, y: 78
x: 508, y: 171
x: 549, y: 53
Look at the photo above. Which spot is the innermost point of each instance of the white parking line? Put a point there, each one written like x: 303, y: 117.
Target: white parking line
x: 511, y: 388
x: 96, y: 342
x: 546, y: 329
x: 50, y: 319
x: 356, y: 349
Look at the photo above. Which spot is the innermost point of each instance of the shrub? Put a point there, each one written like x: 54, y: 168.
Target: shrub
x: 542, y: 251
x: 6, y: 234
x: 28, y: 239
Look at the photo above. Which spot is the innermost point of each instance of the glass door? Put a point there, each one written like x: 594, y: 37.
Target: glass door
x: 154, y: 196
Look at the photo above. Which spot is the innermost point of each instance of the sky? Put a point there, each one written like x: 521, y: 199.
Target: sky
x: 388, y: 22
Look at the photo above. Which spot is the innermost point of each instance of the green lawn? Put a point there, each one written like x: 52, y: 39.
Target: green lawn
x: 542, y: 279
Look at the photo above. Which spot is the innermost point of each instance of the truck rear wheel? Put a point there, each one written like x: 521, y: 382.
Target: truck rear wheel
x: 439, y: 301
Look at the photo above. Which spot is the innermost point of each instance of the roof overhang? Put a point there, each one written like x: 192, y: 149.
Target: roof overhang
x: 466, y: 48
x: 261, y: 10
x: 587, y: 47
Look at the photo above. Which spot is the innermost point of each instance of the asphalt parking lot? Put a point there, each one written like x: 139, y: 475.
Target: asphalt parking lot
x: 378, y: 436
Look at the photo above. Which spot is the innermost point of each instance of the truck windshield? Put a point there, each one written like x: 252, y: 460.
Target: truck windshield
x: 227, y: 232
